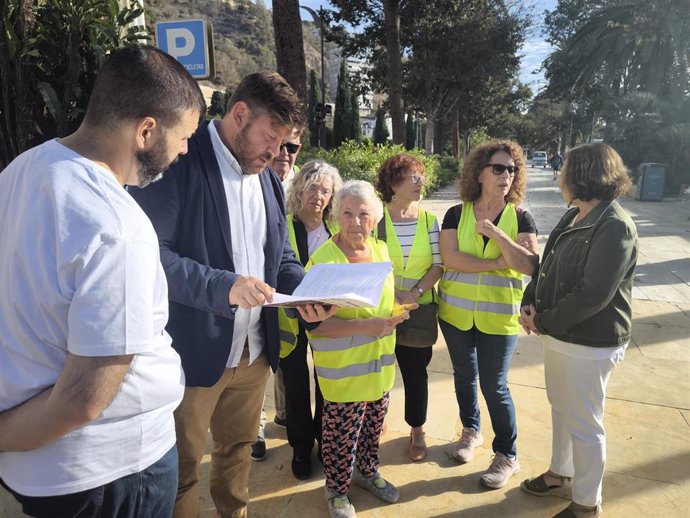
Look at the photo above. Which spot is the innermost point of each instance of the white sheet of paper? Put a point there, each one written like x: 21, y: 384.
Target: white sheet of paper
x: 345, y: 285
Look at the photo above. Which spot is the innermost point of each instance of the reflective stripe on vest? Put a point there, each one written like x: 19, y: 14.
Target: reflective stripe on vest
x: 407, y: 275
x: 359, y: 367
x: 489, y: 300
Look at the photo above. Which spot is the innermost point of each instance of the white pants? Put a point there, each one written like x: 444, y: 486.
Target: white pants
x: 576, y: 379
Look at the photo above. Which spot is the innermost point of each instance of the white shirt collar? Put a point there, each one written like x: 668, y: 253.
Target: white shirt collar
x: 221, y: 150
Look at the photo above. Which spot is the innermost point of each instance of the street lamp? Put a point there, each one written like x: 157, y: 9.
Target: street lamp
x: 318, y: 21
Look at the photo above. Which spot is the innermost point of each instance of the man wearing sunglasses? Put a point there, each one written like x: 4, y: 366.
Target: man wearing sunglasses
x: 284, y: 163
x: 220, y: 219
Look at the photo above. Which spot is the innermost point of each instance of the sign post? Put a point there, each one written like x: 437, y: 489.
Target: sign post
x: 190, y: 42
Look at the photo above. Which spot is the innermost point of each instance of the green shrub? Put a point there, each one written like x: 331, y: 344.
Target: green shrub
x: 361, y: 161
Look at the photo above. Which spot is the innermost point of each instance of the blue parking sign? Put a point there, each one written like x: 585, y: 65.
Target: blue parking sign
x: 190, y: 42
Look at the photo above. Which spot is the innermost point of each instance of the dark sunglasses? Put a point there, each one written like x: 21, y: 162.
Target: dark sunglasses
x: 291, y: 148
x: 498, y: 169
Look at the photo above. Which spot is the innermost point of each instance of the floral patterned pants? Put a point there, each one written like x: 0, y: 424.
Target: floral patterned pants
x: 351, y: 434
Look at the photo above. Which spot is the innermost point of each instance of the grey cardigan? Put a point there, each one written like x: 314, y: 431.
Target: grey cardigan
x: 583, y: 288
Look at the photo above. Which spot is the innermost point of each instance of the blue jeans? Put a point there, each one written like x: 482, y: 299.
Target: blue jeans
x: 475, y: 353
x: 147, y: 494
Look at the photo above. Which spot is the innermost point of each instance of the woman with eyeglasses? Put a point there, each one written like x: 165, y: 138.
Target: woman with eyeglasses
x: 488, y: 243
x: 308, y: 207
x: 412, y: 237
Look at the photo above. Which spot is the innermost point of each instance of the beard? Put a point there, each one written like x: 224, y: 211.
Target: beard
x: 152, y: 163
x: 242, y: 151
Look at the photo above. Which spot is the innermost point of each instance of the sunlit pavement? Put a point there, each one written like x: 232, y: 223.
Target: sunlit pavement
x: 647, y: 409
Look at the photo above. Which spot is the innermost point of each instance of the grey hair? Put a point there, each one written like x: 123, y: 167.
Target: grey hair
x: 312, y: 172
x: 363, y: 191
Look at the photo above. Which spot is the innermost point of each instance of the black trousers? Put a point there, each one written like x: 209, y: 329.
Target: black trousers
x: 413, y: 362
x: 303, y: 427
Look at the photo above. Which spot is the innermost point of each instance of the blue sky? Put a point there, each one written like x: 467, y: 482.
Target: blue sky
x: 534, y: 51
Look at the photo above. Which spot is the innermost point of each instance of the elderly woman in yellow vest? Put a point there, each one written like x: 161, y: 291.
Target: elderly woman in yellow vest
x: 354, y: 358
x: 488, y: 244
x: 412, y: 236
x: 308, y: 207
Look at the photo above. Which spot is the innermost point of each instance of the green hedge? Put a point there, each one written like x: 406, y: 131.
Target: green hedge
x: 361, y: 160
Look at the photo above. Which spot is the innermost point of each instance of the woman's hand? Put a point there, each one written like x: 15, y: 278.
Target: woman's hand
x: 405, y: 297
x: 486, y: 228
x: 380, y: 327
x: 526, y: 319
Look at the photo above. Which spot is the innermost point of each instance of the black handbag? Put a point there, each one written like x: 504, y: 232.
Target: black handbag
x: 421, y: 329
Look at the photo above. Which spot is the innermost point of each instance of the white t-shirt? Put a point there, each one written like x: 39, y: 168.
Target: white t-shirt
x: 80, y: 272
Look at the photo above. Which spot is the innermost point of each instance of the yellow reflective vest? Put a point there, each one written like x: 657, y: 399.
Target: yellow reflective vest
x: 488, y: 300
x: 289, y: 325
x: 408, y: 274
x: 359, y: 367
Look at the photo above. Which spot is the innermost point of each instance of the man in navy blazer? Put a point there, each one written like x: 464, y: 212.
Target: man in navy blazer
x: 220, y: 217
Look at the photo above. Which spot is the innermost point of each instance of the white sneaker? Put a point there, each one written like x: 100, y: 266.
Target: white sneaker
x: 469, y: 441
x: 500, y: 470
x: 339, y: 505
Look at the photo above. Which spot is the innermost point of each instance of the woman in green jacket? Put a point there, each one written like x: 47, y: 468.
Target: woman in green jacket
x: 580, y: 304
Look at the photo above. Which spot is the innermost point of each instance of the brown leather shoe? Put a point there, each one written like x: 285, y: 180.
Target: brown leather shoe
x: 417, y: 446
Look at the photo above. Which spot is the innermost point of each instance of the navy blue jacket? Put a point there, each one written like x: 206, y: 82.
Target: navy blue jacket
x: 188, y: 209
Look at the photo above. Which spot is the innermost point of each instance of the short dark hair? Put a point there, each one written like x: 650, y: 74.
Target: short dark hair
x: 392, y: 172
x: 594, y: 171
x: 142, y: 81
x: 269, y: 92
x: 468, y: 182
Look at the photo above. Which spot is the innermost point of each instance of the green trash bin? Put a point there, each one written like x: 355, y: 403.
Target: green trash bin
x: 652, y: 180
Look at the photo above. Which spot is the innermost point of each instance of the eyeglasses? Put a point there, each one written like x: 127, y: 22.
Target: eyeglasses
x: 418, y: 179
x: 499, y: 169
x: 313, y: 189
x: 291, y: 148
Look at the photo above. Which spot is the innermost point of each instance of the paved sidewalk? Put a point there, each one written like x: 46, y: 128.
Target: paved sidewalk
x: 647, y: 413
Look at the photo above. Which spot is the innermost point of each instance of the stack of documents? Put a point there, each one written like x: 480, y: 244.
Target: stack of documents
x: 345, y: 285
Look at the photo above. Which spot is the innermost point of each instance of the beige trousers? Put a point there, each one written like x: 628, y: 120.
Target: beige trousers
x: 231, y: 408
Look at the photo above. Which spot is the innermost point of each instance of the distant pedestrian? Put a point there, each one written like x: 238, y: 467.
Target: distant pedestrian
x: 488, y: 244
x: 88, y: 379
x: 556, y: 163
x: 580, y: 304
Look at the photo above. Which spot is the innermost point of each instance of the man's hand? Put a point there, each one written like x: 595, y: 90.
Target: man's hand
x: 526, y: 319
x: 249, y: 292
x: 316, y: 312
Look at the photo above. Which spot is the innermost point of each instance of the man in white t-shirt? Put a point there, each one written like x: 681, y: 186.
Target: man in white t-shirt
x: 88, y: 379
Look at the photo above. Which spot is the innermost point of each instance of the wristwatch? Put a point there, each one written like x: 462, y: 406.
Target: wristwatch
x: 419, y: 290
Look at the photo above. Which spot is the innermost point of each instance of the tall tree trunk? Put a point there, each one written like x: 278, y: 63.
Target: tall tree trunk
x: 439, y: 134
x: 455, y: 134
x: 287, y: 28
x: 429, y: 134
x: 391, y: 13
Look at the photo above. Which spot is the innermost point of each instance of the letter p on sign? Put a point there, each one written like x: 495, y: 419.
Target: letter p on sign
x: 180, y: 42
x: 190, y: 42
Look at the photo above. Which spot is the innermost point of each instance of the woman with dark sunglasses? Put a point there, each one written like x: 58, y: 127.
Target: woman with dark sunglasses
x: 487, y: 244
